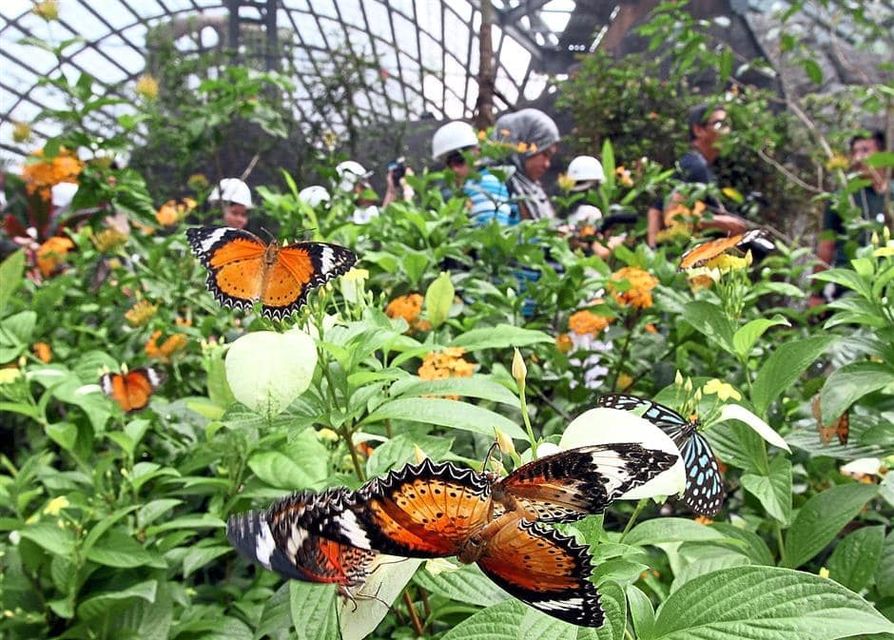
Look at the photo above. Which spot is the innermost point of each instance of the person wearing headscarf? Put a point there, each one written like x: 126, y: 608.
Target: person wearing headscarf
x: 535, y: 137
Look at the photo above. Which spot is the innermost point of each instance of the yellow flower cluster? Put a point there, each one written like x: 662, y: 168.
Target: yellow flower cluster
x: 40, y: 174
x: 173, y: 344
x: 48, y: 10
x: 52, y: 253
x: 638, y: 293
x: 624, y: 177
x: 408, y: 307
x: 107, y: 240
x: 447, y: 363
x: 21, y: 132
x: 585, y: 321
x: 141, y: 313
x: 172, y: 212
x: 147, y: 87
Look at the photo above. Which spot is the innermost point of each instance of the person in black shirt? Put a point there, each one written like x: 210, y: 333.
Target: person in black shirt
x: 706, y: 126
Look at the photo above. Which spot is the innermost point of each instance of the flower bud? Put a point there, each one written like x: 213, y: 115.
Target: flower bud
x: 519, y: 370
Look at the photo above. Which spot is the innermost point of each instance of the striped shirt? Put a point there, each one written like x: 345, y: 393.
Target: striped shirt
x: 490, y: 200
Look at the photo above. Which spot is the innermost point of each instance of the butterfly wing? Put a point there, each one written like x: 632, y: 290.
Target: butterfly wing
x: 700, y: 254
x: 704, y: 491
x: 298, y: 269
x: 131, y: 390
x: 671, y: 422
x: 285, y: 539
x: 572, y: 484
x: 545, y: 569
x: 235, y: 262
x: 426, y: 510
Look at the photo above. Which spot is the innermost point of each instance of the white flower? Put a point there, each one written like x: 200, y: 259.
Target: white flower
x: 605, y: 426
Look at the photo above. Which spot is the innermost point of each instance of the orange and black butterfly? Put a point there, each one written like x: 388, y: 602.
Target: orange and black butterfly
x: 243, y: 269
x: 840, y: 427
x: 698, y: 256
x: 132, y: 389
x: 285, y: 538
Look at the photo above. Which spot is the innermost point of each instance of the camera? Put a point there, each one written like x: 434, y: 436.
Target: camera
x: 397, y: 169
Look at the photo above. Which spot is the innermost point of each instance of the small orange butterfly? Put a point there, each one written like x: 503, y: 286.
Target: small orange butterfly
x: 840, y: 427
x: 243, y: 269
x: 131, y: 389
x: 700, y: 254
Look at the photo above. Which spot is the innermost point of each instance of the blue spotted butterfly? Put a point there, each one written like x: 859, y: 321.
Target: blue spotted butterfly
x: 704, y: 492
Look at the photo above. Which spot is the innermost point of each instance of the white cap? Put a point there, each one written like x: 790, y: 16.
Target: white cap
x: 585, y: 214
x: 314, y: 195
x: 63, y: 193
x: 452, y: 136
x: 231, y: 190
x: 585, y: 168
x: 350, y: 173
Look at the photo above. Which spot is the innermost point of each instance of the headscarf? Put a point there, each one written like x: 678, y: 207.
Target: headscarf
x: 531, y: 132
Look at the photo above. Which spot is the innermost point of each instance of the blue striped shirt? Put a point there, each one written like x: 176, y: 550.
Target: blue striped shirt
x: 490, y: 200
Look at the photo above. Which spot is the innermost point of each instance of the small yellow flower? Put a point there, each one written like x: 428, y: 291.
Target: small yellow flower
x: 726, y: 263
x: 505, y: 443
x: 327, y: 435
x: 723, y: 390
x: 56, y: 505
x: 21, y: 132
x: 564, y: 343
x: 482, y: 134
x: 9, y: 374
x: 732, y: 194
x: 837, y: 162
x: 167, y: 214
x: 823, y: 573
x: 565, y: 183
x: 108, y: 240
x: 197, y: 182
x: 624, y: 381
x: 330, y: 139
x: 141, y: 313
x: 147, y: 87
x: 883, y: 252
x: 48, y: 10
x: 624, y: 176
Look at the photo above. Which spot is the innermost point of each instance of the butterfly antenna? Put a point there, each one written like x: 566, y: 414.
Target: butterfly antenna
x: 270, y: 235
x: 490, y: 453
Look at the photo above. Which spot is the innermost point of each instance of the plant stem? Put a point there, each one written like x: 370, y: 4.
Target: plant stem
x: 778, y: 531
x: 639, y: 508
x: 527, y: 419
x: 617, y: 372
x: 414, y: 617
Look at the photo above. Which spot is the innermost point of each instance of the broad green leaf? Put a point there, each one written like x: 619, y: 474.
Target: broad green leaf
x: 64, y: 434
x: 850, y: 383
x: 618, y: 570
x: 198, y: 557
x: 439, y: 299
x: 857, y: 556
x: 276, y: 618
x: 447, y: 413
x: 813, y: 70
x: 784, y: 366
x: 313, y: 610
x: 747, y: 335
x: 614, y: 606
x: 203, y: 521
x: 884, y: 576
x: 535, y: 624
x: 697, y: 559
x: 504, y: 336
x: 821, y: 518
x: 117, y: 549
x: 99, y: 605
x: 466, y: 584
x: 752, y: 544
x: 49, y: 535
x: 880, y: 159
x: 663, y: 530
x: 497, y: 622
x: 773, y: 490
x: 641, y: 612
x: 765, y: 603
x: 389, y: 575
x: 477, y: 386
x: 12, y: 272
x: 402, y: 449
x: 303, y: 464
x: 710, y: 320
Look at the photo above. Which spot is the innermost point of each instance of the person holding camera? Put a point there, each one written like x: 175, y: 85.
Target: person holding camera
x: 456, y: 145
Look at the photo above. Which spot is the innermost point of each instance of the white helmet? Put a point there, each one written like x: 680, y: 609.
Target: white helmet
x: 314, y: 195
x: 63, y: 193
x: 231, y: 190
x: 350, y: 173
x: 452, y: 136
x: 585, y: 168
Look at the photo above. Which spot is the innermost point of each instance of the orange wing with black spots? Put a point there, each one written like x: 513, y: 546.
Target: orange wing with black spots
x: 133, y: 389
x: 243, y: 269
x: 285, y: 538
x: 841, y: 428
x: 545, y: 569
x: 570, y: 485
x: 425, y: 510
x: 701, y: 254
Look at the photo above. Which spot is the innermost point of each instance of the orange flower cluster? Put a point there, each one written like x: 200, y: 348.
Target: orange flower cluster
x: 43, y: 352
x: 585, y: 321
x: 40, y: 175
x: 681, y: 214
x: 52, y: 253
x: 447, y: 363
x: 408, y: 307
x: 564, y: 343
x: 173, y: 344
x: 638, y: 293
x: 172, y: 212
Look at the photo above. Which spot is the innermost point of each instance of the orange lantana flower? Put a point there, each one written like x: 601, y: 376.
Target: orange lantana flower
x: 638, y: 293
x: 447, y: 363
x: 52, y: 253
x: 41, y: 174
x: 173, y: 344
x: 585, y: 321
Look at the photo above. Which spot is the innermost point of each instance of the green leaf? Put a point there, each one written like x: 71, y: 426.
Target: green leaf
x: 502, y: 336
x: 497, y: 622
x: 662, y: 530
x: 813, y: 70
x: 641, y: 612
x: 313, y: 610
x: 12, y: 273
x: 304, y: 464
x: 856, y: 558
x: 99, y: 605
x: 535, y: 624
x: 467, y: 584
x: 203, y: 521
x: 477, y: 386
x: 752, y: 544
x: 388, y: 578
x: 884, y: 576
x: 850, y: 383
x: 765, y: 603
x: 747, y: 335
x: 614, y: 604
x: 64, y: 434
x: 439, y: 299
x: 877, y: 160
x: 784, y: 366
x: 117, y: 549
x: 447, y: 413
x: 821, y: 518
x: 401, y: 450
x: 774, y: 491
x: 198, y: 557
x: 709, y: 320
x: 51, y: 537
